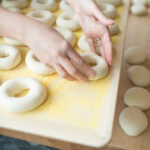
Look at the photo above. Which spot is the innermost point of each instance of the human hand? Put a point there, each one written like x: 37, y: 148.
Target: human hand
x: 55, y: 52
x: 95, y: 26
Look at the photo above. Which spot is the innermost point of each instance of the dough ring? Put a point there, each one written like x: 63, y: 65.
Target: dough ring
x: 100, y: 66
x: 43, y: 16
x: 108, y: 10
x: 67, y: 34
x: 36, y: 66
x: 114, y: 29
x: 65, y: 6
x: 68, y: 20
x: 10, y: 57
x: 113, y: 2
x: 15, y: 3
x: 8, y: 91
x: 142, y: 2
x: 50, y: 5
x: 13, y: 9
x: 133, y: 121
x: 135, y: 55
x: 139, y: 76
x: 138, y: 9
x: 137, y: 97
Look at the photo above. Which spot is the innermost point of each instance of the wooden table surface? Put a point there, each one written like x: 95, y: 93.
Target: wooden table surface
x: 138, y: 33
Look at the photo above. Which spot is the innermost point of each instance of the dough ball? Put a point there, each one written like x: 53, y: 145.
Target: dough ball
x: 138, y: 97
x: 142, y: 2
x: 139, y: 76
x: 133, y: 121
x: 138, y: 9
x: 135, y: 55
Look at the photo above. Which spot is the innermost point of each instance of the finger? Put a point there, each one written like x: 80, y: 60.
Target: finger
x: 62, y: 73
x: 101, y: 48
x: 106, y: 41
x: 82, y: 65
x: 91, y: 43
x: 72, y: 70
x: 101, y: 17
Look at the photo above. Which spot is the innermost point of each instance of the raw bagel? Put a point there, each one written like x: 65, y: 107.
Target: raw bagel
x: 83, y: 44
x: 138, y: 9
x: 43, y: 16
x: 13, y: 9
x: 135, y: 55
x: 133, y: 121
x: 68, y: 20
x: 65, y: 6
x: 142, y: 2
x: 113, y: 2
x: 8, y: 91
x: 50, y: 5
x: 36, y: 66
x: 67, y: 34
x: 10, y: 57
x: 13, y: 42
x: 139, y: 76
x: 15, y: 3
x: 137, y: 97
x: 113, y: 29
x: 100, y: 66
x: 108, y: 10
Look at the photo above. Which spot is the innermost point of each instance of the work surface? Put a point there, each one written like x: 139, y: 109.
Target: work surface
x: 138, y: 33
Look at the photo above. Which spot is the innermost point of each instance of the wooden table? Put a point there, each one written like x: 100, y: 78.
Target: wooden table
x: 138, y: 33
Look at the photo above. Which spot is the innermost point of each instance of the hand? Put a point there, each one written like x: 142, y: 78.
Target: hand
x: 52, y: 49
x: 94, y: 25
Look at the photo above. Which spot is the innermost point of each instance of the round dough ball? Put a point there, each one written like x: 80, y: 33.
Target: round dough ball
x: 113, y: 2
x: 108, y: 10
x: 133, y: 121
x: 135, y: 55
x: 67, y: 34
x: 50, y: 5
x: 15, y: 3
x: 64, y: 6
x: 138, y: 9
x: 114, y: 29
x: 142, y: 2
x: 139, y: 76
x: 98, y: 64
x: 137, y: 97
x: 43, y: 16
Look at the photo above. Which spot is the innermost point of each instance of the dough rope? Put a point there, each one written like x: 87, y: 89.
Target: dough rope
x: 67, y: 34
x: 139, y: 76
x: 100, y: 66
x: 113, y: 2
x: 83, y: 44
x: 135, y: 55
x: 68, y: 20
x: 15, y: 3
x: 10, y: 57
x: 114, y: 29
x: 137, y: 97
x: 50, y: 5
x: 138, y: 9
x: 108, y: 10
x: 133, y: 121
x: 36, y: 95
x: 64, y: 6
x: 43, y: 16
x: 36, y: 66
x: 13, y: 42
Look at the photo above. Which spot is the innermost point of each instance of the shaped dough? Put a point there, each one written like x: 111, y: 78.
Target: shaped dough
x: 138, y: 9
x: 139, y: 76
x: 8, y: 91
x: 65, y: 6
x: 135, y: 55
x: 142, y: 2
x: 133, y: 121
x: 113, y: 2
x: 114, y: 29
x: 137, y: 97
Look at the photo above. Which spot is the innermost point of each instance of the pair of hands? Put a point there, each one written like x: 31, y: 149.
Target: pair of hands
x: 51, y: 48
